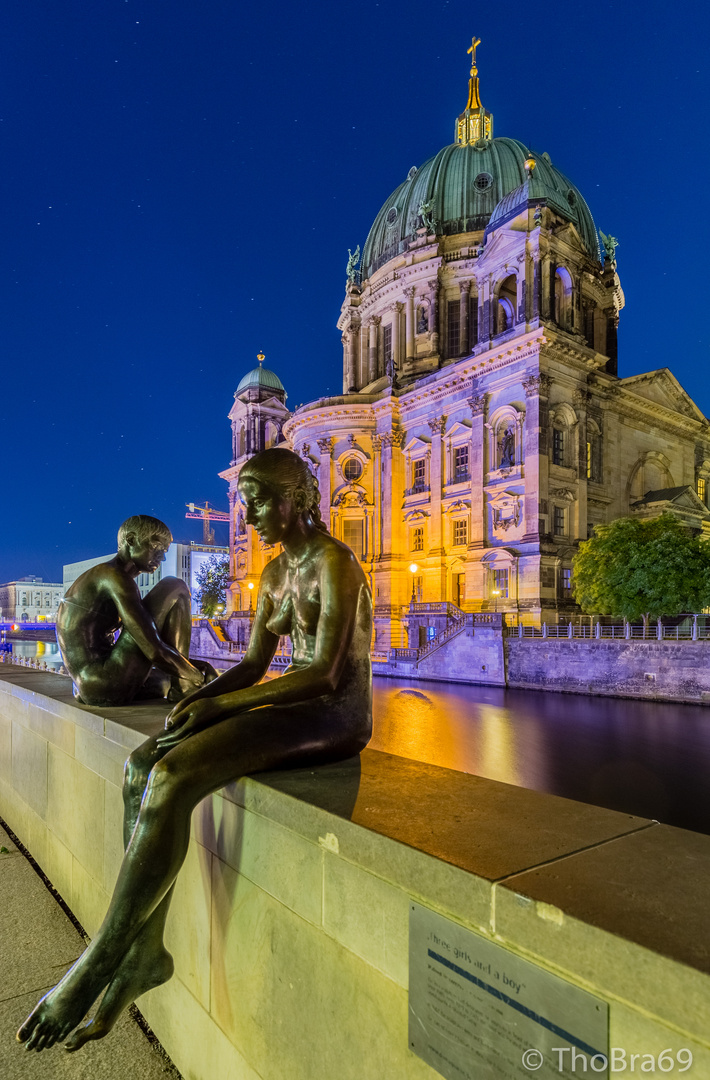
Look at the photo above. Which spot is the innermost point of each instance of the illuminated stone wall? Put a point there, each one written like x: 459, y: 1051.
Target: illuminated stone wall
x: 290, y: 920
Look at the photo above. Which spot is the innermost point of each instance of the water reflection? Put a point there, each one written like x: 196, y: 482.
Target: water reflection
x: 45, y: 651
x: 644, y: 758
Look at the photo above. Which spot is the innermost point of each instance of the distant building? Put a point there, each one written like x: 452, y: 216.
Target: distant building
x: 181, y: 561
x: 483, y: 430
x: 30, y: 599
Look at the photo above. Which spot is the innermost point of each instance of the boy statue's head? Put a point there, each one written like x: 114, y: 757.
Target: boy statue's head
x: 143, y: 527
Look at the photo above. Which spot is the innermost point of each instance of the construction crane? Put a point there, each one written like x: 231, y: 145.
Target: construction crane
x: 207, y: 513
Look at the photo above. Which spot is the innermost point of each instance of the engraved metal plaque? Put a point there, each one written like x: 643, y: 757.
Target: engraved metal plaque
x: 476, y: 1009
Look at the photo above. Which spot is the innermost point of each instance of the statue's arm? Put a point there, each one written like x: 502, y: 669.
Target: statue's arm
x: 340, y: 581
x: 137, y: 621
x: 257, y: 658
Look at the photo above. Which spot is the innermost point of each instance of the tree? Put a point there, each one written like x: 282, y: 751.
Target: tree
x: 642, y: 569
x: 212, y: 579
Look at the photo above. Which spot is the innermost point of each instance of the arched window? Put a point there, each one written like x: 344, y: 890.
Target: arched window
x: 271, y: 434
x: 594, y: 462
x: 563, y: 297
x: 506, y: 304
x: 242, y: 442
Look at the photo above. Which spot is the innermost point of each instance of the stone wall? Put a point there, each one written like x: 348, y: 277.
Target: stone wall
x: 289, y: 924
x: 656, y: 670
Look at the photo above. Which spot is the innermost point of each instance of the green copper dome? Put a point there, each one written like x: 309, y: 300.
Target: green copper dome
x: 260, y: 378
x: 464, y: 184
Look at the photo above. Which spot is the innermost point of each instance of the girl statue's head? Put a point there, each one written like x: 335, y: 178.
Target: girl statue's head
x: 286, y: 473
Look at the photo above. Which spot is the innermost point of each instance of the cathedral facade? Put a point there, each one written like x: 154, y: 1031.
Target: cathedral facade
x: 483, y: 430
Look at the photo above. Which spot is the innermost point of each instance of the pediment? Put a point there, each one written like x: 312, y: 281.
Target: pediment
x: 416, y: 444
x: 568, y: 234
x: 458, y: 429
x: 502, y: 245
x: 662, y: 388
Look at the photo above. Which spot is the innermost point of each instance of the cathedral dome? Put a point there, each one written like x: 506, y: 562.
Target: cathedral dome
x: 463, y: 186
x: 260, y: 378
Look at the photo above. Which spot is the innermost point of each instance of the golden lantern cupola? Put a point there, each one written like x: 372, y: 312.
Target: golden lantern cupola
x: 475, y: 123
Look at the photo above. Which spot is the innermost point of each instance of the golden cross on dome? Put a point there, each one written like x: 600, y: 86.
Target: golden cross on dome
x: 475, y: 42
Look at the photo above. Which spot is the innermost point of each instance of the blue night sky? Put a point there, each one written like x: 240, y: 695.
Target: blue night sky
x: 182, y: 181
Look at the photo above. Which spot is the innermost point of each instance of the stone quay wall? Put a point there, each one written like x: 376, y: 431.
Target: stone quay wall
x: 290, y: 920
x: 654, y: 670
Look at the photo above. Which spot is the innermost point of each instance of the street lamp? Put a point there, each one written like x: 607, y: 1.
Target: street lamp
x: 412, y: 570
x: 495, y: 594
x: 250, y: 587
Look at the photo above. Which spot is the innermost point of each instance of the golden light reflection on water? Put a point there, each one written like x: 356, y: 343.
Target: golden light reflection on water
x: 445, y: 727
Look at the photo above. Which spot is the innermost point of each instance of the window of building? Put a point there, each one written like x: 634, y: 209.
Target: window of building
x: 461, y: 531
x: 589, y: 460
x: 453, y: 328
x: 461, y: 463
x: 507, y: 301
x: 459, y: 584
x: 352, y: 469
x: 500, y: 583
x: 418, y: 538
x: 418, y: 589
x: 701, y: 488
x: 472, y: 321
x: 567, y: 581
x: 419, y: 475
x: 559, y: 521
x: 547, y: 577
x: 558, y: 446
x: 387, y: 343
x: 352, y: 535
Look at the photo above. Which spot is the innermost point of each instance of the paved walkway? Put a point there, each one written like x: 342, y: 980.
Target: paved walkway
x: 38, y: 942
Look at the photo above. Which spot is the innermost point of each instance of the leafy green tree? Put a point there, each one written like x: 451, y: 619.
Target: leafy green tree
x: 642, y: 569
x: 212, y: 578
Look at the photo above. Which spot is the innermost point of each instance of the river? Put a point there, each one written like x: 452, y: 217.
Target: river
x: 640, y: 757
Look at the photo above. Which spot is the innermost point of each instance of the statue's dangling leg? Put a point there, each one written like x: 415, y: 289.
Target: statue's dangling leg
x: 147, y: 963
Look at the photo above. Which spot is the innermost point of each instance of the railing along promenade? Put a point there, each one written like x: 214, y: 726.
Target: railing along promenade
x: 679, y: 628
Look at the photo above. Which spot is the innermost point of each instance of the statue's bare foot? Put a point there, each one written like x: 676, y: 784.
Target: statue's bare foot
x: 140, y: 970
x: 54, y: 1016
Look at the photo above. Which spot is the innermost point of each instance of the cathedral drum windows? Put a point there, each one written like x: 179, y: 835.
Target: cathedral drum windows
x: 453, y: 329
x: 505, y: 305
x: 563, y: 298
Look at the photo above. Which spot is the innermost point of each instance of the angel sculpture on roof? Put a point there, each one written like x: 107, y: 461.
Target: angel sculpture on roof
x: 353, y: 260
x: 610, y: 245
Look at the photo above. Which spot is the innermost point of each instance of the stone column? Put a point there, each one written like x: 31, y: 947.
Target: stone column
x: 479, y: 532
x: 347, y: 362
x: 409, y: 293
x: 485, y: 330
x: 396, y: 328
x: 374, y: 334
x: 437, y: 426
x: 377, y: 496
x: 364, y: 354
x: 537, y: 388
x: 325, y: 477
x: 434, y: 316
x: 581, y: 400
x: 464, y: 348
x: 547, y: 300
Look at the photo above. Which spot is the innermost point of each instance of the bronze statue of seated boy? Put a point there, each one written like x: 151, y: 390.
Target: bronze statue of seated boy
x: 117, y: 646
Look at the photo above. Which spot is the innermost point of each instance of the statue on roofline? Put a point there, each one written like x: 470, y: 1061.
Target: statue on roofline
x: 353, y: 260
